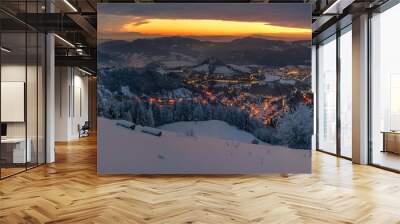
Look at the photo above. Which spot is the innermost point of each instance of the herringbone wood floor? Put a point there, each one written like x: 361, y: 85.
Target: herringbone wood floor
x: 70, y: 191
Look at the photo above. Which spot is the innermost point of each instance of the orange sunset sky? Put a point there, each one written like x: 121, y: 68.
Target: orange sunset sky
x: 217, y: 22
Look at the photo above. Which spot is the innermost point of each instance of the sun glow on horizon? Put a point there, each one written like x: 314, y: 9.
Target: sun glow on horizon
x: 211, y: 27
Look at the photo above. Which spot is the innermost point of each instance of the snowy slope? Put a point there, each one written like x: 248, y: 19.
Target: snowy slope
x: 213, y: 129
x: 215, y: 66
x: 125, y: 151
x: 240, y: 68
x: 288, y: 82
x: 224, y: 70
x: 202, y: 68
x: 271, y: 78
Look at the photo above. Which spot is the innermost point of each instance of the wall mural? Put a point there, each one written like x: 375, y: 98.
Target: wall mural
x: 204, y: 88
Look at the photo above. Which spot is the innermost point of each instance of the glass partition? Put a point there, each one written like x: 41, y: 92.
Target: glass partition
x: 22, y: 78
x: 14, y: 154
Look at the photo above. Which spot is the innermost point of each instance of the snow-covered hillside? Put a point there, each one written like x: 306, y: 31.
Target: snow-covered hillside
x: 215, y: 66
x: 240, y: 68
x: 179, y: 93
x: 125, y: 151
x: 271, y: 78
x: 213, y: 129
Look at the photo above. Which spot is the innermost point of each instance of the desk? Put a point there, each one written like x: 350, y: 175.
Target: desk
x: 15, y: 148
x: 391, y: 141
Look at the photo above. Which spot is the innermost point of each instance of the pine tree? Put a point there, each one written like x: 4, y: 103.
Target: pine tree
x: 296, y: 127
x: 208, y: 112
x: 220, y: 113
x: 177, y: 112
x: 198, y: 114
x: 156, y: 115
x: 141, y: 117
x: 149, y: 118
x: 186, y: 113
x: 166, y: 115
x: 268, y: 135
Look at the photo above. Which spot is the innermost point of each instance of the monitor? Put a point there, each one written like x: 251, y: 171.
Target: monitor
x: 3, y: 129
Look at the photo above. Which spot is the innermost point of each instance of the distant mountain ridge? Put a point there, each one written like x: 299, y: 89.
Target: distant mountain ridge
x: 248, y: 50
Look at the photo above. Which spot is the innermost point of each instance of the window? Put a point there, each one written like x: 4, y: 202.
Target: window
x: 327, y: 95
x: 385, y: 89
x: 334, y: 101
x: 346, y: 92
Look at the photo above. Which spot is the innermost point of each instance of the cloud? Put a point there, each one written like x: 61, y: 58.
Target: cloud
x: 137, y: 21
x: 128, y: 36
x: 178, y: 27
x: 296, y: 15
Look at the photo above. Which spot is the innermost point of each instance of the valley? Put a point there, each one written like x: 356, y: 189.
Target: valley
x: 172, y: 84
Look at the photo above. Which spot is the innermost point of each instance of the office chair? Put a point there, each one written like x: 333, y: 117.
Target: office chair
x: 84, y: 130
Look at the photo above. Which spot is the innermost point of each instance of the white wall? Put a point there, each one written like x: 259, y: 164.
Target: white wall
x: 17, y: 73
x: 62, y: 82
x: 12, y: 73
x: 13, y: 101
x: 33, y: 126
x: 79, y: 110
x: 71, y: 94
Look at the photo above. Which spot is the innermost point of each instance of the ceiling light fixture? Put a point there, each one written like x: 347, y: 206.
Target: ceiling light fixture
x: 84, y: 71
x: 329, y: 9
x: 64, y: 40
x: 5, y: 50
x: 70, y: 5
x: 337, y: 7
x: 80, y: 51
